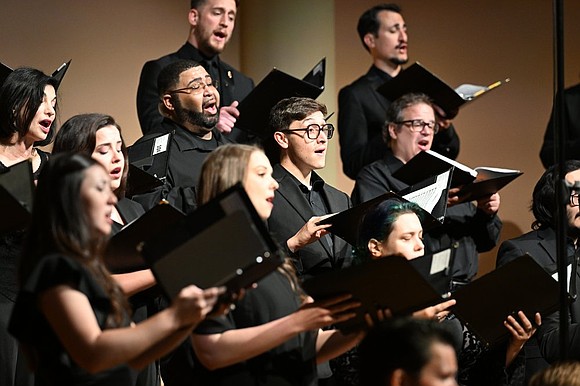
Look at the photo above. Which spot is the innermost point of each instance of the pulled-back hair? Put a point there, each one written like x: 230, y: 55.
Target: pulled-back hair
x: 399, y: 343
x: 544, y: 196
x: 369, y: 21
x: 79, y: 135
x: 293, y: 109
x: 378, y: 224
x: 558, y: 374
x: 60, y: 224
x: 20, y: 97
x: 196, y: 4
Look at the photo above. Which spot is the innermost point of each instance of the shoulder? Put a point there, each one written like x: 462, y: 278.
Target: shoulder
x: 361, y: 84
x: 129, y: 209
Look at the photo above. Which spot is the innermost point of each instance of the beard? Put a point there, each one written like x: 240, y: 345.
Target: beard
x: 184, y: 116
x: 399, y: 61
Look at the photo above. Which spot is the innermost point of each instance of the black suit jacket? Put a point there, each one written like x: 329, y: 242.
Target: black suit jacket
x: 292, y: 210
x: 234, y: 86
x: 541, y: 245
x: 362, y: 112
x: 571, y: 126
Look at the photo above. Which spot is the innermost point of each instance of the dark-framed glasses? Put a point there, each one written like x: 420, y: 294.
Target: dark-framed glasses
x: 313, y: 130
x: 196, y: 86
x: 574, y: 199
x: 418, y: 125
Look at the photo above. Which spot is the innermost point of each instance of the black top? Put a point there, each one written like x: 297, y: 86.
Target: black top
x: 472, y: 228
x: 233, y: 86
x: 362, y: 112
x: 30, y: 326
x: 187, y: 152
x: 291, y: 363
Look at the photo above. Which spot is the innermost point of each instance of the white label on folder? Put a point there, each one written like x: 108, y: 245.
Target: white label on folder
x: 160, y: 144
x: 440, y: 261
x: 568, y: 274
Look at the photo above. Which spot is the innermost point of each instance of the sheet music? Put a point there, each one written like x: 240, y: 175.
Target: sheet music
x: 440, y: 261
x: 429, y: 196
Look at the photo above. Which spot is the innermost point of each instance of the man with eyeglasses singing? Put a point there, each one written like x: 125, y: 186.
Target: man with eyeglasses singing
x: 189, y: 103
x: 410, y: 127
x: 302, y: 135
x: 540, y: 243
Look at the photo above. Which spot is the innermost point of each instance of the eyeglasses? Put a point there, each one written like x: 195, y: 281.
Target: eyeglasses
x: 575, y: 199
x: 196, y: 86
x: 313, y: 130
x: 418, y: 125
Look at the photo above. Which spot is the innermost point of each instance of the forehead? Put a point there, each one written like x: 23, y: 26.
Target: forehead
x: 315, y: 117
x: 49, y: 91
x: 257, y: 159
x: 573, y: 176
x: 95, y: 174
x: 228, y: 5
x: 419, y: 110
x: 407, y: 222
x: 108, y: 133
x: 192, y: 73
x: 388, y: 19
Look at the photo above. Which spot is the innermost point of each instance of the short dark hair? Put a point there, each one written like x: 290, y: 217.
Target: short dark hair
x: 195, y: 4
x: 79, y: 135
x: 369, y: 21
x: 293, y: 109
x: 399, y: 343
x: 20, y: 97
x: 168, y: 78
x: 378, y: 224
x: 544, y: 196
x: 395, y: 110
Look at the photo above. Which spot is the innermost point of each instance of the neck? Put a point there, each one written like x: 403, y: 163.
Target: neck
x: 17, y: 149
x: 201, y: 132
x: 387, y: 66
x: 303, y: 175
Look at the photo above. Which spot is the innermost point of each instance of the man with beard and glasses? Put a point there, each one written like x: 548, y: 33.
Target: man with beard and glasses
x: 211, y: 27
x: 540, y: 243
x: 362, y: 110
x: 189, y: 102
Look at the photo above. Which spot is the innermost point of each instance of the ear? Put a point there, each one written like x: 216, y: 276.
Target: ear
x: 369, y: 40
x: 168, y: 102
x: 375, y: 248
x: 193, y: 17
x: 281, y: 139
x: 392, y: 131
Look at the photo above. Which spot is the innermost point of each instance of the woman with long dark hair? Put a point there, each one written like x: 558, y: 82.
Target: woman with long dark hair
x: 71, y: 315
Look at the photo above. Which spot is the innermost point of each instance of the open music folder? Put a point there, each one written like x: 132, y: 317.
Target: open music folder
x: 222, y: 243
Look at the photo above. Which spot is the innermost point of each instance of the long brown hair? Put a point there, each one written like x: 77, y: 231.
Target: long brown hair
x: 223, y: 168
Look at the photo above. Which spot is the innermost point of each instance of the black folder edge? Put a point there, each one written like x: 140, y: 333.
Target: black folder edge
x: 520, y: 285
x: 206, y: 215
x: 277, y: 85
x: 123, y: 252
x: 440, y: 280
x: 391, y: 282
x: 150, y: 163
x: 139, y: 181
x: 14, y: 207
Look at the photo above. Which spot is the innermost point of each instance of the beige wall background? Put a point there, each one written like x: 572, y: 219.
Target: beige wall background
x: 461, y: 41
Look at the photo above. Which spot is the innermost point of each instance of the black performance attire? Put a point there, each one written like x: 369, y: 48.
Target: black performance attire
x: 474, y: 230
x: 290, y: 364
x: 541, y: 245
x: 187, y: 152
x: 233, y: 86
x: 28, y: 324
x: 13, y: 365
x: 571, y: 126
x: 362, y: 112
x: 294, y: 205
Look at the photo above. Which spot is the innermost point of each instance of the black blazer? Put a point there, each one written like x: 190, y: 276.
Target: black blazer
x: 233, y: 85
x: 541, y: 245
x: 292, y: 210
x: 572, y: 127
x: 362, y: 112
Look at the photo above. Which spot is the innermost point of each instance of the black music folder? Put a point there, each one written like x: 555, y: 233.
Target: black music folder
x: 222, y: 243
x: 123, y: 252
x: 277, y: 85
x: 430, y: 195
x: 139, y: 181
x: 16, y: 196
x: 151, y: 154
x: 391, y: 282
x: 474, y: 183
x: 520, y: 285
x: 59, y: 73
x: 417, y: 78
x: 436, y: 268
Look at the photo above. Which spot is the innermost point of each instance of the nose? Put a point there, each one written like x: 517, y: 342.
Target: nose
x: 117, y: 156
x: 274, y: 184
x: 50, y: 110
x: 419, y: 246
x: 402, y: 35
